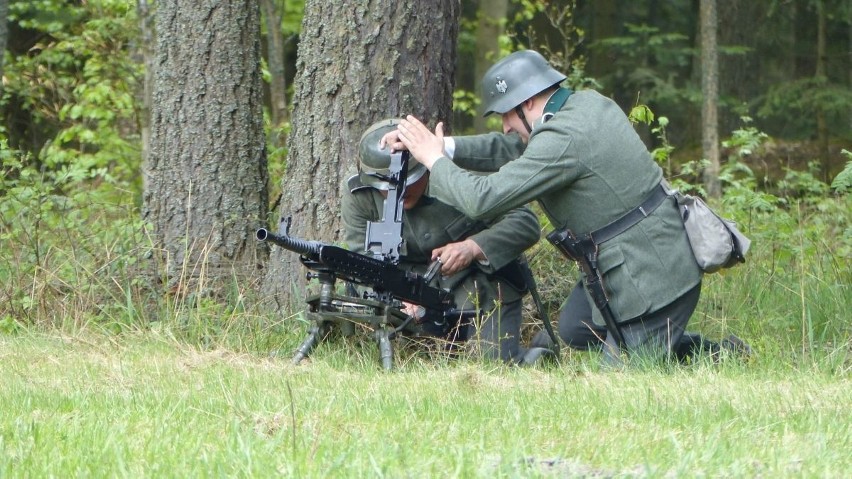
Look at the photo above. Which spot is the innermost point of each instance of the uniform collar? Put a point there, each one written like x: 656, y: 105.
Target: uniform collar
x: 554, y: 103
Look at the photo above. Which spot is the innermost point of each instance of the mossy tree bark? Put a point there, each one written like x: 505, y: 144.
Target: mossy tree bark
x: 206, y: 174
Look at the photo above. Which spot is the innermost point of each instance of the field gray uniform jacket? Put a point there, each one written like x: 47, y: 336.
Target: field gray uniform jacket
x: 587, y: 167
x: 431, y: 224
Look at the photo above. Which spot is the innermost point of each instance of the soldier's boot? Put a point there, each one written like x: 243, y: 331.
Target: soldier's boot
x: 737, y: 347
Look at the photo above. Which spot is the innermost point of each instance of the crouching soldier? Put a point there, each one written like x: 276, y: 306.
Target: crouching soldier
x: 479, y: 261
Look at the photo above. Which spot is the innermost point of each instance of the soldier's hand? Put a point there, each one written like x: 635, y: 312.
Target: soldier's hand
x: 457, y: 256
x: 425, y: 146
x: 391, y: 139
x: 412, y: 310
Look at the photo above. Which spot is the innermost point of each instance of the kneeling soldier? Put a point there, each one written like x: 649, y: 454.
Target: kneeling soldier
x: 479, y: 261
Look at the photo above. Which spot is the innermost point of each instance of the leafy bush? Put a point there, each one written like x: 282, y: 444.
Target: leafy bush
x: 69, y: 219
x: 793, y: 290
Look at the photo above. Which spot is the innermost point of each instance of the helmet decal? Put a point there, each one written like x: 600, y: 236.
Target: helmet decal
x: 501, y: 85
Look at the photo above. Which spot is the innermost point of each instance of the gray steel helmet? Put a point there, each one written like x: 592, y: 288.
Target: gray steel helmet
x: 375, y: 162
x: 516, y: 78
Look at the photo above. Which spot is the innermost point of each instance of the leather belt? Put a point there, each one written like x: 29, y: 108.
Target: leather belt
x: 632, y: 217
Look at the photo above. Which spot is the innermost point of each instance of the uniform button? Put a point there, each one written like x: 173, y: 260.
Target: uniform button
x: 427, y: 235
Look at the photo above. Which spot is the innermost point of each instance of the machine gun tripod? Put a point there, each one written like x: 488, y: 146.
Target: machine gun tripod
x: 379, y: 310
x: 328, y: 309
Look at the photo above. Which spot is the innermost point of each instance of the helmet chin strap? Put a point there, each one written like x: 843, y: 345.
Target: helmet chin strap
x: 520, y: 112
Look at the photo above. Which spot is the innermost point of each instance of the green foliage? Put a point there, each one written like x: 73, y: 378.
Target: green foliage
x: 69, y: 219
x: 81, y: 87
x: 793, y: 103
x: 745, y: 140
x: 648, y: 61
x: 466, y: 102
x: 62, y: 236
x: 561, y: 18
x: 843, y: 181
x: 644, y: 43
x: 642, y: 114
x: 49, y: 16
x: 801, y: 244
x: 291, y: 20
x: 292, y: 12
x: 564, y: 54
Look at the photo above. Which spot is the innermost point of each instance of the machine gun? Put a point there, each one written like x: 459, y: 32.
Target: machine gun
x: 379, y: 271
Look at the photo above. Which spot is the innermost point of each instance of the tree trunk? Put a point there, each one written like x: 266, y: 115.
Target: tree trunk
x: 822, y: 125
x: 205, y: 178
x: 357, y: 63
x: 605, y: 23
x: 275, y: 60
x: 4, y: 35
x: 710, y: 93
x: 492, y: 14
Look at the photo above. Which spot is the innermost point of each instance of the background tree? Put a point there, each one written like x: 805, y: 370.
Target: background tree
x: 275, y: 62
x: 4, y: 34
x: 206, y: 178
x: 820, y: 75
x: 710, y: 95
x: 490, y: 26
x: 738, y: 64
x: 282, y: 19
x: 357, y: 63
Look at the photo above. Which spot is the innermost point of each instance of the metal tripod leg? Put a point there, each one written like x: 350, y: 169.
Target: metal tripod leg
x: 315, y: 333
x: 385, y: 348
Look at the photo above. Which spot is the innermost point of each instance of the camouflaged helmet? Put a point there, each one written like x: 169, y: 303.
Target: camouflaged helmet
x: 516, y: 78
x: 374, y: 163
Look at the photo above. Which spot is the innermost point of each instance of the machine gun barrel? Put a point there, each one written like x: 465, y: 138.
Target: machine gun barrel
x: 304, y: 248
x: 382, y: 276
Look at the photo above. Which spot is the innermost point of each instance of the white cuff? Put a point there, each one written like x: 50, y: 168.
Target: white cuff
x: 449, y: 146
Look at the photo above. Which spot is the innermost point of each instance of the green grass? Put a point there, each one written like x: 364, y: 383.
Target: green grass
x: 142, y: 404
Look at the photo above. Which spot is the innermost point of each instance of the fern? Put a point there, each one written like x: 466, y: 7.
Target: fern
x: 843, y: 181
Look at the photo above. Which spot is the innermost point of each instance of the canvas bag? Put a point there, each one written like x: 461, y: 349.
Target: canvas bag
x: 716, y: 242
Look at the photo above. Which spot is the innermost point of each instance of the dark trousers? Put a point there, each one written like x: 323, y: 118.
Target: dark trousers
x: 497, y: 334
x: 661, y: 331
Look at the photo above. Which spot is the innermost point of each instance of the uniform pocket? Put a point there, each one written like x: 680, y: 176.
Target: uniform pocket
x: 622, y: 285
